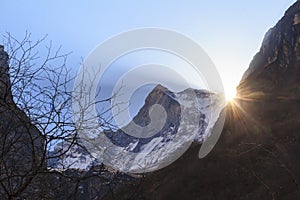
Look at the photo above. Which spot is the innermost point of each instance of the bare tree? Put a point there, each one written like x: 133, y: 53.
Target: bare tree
x: 35, y: 115
x: 34, y: 110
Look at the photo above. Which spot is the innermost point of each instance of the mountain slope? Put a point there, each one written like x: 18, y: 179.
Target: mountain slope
x: 275, y: 70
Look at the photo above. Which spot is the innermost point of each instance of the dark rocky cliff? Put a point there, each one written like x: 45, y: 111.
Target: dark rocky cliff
x: 21, y: 143
x: 275, y: 69
x: 5, y: 90
x: 159, y: 95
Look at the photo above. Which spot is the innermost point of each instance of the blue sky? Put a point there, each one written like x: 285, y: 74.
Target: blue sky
x: 229, y: 31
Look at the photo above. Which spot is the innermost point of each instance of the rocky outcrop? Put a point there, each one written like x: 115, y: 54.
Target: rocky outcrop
x: 275, y: 69
x: 21, y: 143
x: 162, y: 96
x: 5, y: 90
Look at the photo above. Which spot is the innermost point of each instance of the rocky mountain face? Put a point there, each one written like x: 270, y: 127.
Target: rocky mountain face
x: 5, y: 90
x: 275, y: 69
x: 21, y: 144
x: 205, y: 104
x: 159, y: 95
x: 273, y: 77
x: 170, y: 102
x: 257, y: 155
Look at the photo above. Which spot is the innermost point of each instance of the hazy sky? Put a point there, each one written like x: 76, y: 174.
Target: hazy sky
x: 229, y: 31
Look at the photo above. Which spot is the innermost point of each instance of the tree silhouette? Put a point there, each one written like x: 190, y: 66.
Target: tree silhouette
x: 35, y: 115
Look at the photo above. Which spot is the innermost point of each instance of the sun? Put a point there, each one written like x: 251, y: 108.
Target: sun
x: 230, y: 94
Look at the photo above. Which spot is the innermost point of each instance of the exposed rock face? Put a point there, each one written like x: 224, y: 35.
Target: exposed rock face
x: 167, y: 99
x: 21, y: 143
x: 159, y: 95
x: 199, y: 111
x: 275, y: 69
x: 5, y: 90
